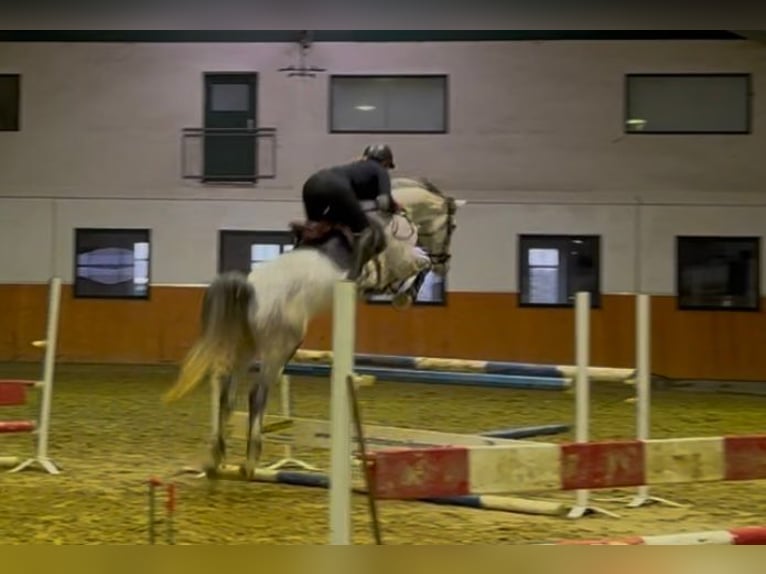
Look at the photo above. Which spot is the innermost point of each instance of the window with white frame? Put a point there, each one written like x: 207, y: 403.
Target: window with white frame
x: 112, y: 263
x: 687, y: 103
x: 388, y: 104
x: 553, y: 268
x: 243, y: 250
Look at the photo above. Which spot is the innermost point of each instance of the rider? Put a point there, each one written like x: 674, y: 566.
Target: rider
x: 341, y: 194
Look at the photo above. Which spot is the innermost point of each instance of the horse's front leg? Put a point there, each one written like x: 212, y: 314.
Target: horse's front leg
x: 225, y: 402
x: 408, y: 291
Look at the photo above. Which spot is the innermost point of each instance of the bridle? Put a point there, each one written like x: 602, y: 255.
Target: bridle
x: 440, y: 258
x: 444, y: 257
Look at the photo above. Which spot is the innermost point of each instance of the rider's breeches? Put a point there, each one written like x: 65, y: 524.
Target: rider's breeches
x: 328, y: 197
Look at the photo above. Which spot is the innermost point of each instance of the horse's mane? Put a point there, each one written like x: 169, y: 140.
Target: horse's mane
x: 423, y: 182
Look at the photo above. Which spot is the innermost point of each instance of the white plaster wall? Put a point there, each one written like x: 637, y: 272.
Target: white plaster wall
x: 26, y: 241
x: 535, y: 144
x: 486, y: 245
x: 542, y: 117
x: 637, y: 242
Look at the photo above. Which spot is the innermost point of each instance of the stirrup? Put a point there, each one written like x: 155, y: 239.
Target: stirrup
x: 363, y: 251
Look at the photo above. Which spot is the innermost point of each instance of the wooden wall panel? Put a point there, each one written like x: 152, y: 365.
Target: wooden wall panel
x: 22, y: 320
x: 698, y: 345
x: 100, y: 330
x: 490, y: 326
x: 153, y: 331
x: 706, y: 345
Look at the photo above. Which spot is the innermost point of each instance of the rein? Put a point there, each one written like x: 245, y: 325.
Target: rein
x: 444, y: 257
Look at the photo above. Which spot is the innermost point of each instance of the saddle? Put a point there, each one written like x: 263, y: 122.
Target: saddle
x: 318, y: 232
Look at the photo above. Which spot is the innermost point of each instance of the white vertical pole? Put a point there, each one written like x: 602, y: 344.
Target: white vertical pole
x: 343, y: 339
x: 46, y: 385
x: 287, y: 412
x: 582, y: 386
x: 643, y: 370
x: 643, y: 390
x: 582, y: 504
x: 51, y: 342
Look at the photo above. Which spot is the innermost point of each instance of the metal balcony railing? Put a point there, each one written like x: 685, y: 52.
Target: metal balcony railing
x: 229, y: 155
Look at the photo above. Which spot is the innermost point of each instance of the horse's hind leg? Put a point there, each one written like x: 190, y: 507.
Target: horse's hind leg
x: 269, y: 374
x: 258, y: 399
x: 226, y: 397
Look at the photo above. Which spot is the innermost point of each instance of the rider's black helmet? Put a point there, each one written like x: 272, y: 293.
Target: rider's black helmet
x: 380, y: 153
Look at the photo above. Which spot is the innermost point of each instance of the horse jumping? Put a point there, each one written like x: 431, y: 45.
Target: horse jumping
x: 264, y: 315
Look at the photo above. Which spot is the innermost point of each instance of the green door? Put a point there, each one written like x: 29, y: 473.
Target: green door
x: 230, y: 104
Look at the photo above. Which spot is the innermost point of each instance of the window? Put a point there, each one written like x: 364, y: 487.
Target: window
x: 112, y: 263
x: 393, y: 104
x: 718, y: 272
x: 553, y: 268
x: 244, y: 250
x: 433, y: 291
x: 687, y: 103
x: 9, y: 102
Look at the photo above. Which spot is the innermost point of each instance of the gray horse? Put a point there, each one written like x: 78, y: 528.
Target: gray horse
x: 264, y: 316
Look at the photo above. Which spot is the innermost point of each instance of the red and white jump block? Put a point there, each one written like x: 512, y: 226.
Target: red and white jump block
x: 742, y: 536
x: 454, y: 471
x: 13, y: 393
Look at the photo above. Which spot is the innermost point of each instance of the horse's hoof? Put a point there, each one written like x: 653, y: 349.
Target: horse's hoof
x: 217, y: 454
x: 211, y: 471
x: 402, y: 301
x: 247, y: 470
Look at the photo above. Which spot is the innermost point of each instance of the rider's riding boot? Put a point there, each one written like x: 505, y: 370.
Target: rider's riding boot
x: 366, y: 245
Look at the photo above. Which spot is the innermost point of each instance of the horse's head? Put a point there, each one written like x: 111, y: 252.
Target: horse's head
x: 434, y: 215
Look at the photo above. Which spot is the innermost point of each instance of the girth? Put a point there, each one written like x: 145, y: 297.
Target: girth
x: 315, y: 232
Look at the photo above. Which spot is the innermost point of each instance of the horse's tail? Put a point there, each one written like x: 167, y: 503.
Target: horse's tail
x: 227, y: 337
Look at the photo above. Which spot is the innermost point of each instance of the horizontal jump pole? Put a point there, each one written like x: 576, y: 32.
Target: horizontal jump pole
x: 21, y: 382
x: 605, y: 374
x: 476, y: 379
x: 315, y: 434
x: 11, y: 427
x: 527, y: 432
x: 9, y: 460
x: 322, y: 480
x: 744, y: 535
x: 456, y: 471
